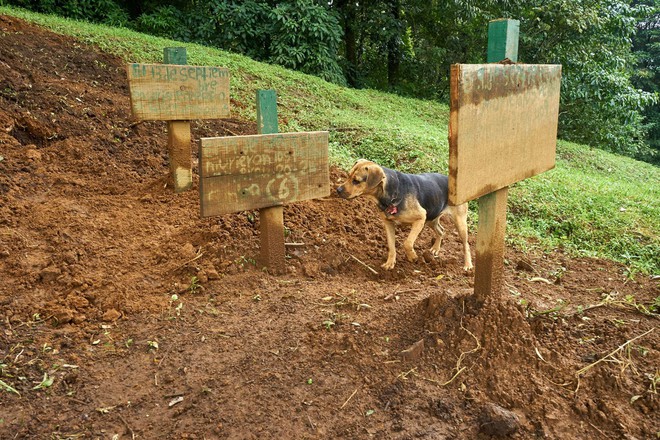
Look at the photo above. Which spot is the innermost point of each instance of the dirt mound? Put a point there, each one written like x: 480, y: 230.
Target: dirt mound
x: 125, y: 315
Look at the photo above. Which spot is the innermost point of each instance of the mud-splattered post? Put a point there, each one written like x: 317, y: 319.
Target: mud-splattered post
x: 502, y: 129
x: 178, y: 134
x: 178, y: 93
x: 271, y: 219
x: 502, y: 44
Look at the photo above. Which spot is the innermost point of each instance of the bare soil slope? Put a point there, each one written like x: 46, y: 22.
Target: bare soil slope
x: 93, y: 246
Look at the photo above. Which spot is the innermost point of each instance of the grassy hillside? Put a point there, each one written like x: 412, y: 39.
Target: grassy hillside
x: 593, y: 203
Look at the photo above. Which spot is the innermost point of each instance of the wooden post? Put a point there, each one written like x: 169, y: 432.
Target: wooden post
x: 503, y: 40
x: 271, y: 219
x: 488, y: 276
x: 489, y: 268
x: 178, y: 135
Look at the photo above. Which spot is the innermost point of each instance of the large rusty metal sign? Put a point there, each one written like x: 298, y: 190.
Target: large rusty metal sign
x: 503, y: 126
x: 239, y: 173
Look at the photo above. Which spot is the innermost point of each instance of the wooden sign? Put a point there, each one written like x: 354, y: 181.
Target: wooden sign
x: 239, y: 173
x: 503, y: 126
x: 168, y: 92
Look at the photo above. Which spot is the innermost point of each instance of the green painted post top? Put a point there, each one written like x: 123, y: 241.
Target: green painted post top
x: 266, y: 112
x: 503, y: 40
x: 175, y: 55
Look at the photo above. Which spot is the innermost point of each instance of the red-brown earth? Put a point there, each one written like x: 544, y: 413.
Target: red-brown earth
x: 94, y: 244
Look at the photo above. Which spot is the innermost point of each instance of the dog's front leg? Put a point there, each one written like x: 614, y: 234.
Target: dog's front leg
x: 409, y: 244
x: 391, y: 245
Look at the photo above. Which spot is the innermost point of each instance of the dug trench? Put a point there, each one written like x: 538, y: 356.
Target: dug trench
x: 126, y: 315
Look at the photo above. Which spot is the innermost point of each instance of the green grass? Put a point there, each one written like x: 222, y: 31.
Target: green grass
x: 592, y: 204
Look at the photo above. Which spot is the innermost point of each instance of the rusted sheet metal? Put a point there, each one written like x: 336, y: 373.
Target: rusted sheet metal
x: 503, y: 126
x: 239, y: 173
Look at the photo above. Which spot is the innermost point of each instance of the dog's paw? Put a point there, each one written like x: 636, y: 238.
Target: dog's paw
x: 468, y: 267
x: 388, y: 265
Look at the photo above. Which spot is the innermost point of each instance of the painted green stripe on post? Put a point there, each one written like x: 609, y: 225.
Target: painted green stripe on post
x: 503, y: 40
x: 266, y: 112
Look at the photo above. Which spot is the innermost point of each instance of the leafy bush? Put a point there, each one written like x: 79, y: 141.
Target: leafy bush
x: 599, y: 105
x: 305, y: 36
x: 237, y: 26
x: 165, y: 21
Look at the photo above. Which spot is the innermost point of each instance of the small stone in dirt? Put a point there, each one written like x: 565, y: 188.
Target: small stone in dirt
x: 413, y: 352
x: 111, y: 315
x: 311, y: 269
x: 33, y: 154
x: 202, y: 276
x: 525, y: 264
x: 212, y: 273
x: 49, y: 274
x: 61, y: 315
x: 188, y: 251
x: 497, y: 421
x: 428, y: 256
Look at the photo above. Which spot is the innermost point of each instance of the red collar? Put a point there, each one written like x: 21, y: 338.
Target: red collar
x: 391, y: 210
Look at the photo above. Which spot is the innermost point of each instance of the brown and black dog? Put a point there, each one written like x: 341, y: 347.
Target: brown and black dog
x: 414, y: 199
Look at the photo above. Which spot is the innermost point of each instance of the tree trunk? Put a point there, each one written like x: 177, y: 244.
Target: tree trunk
x: 393, y: 46
x: 347, y: 11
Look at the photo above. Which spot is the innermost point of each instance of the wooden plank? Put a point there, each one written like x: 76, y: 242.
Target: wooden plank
x: 503, y: 126
x: 166, y: 92
x: 239, y: 173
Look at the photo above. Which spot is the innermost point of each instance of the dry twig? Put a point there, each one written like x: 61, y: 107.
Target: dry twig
x: 127, y: 425
x: 349, y: 398
x: 609, y: 356
x: 365, y: 265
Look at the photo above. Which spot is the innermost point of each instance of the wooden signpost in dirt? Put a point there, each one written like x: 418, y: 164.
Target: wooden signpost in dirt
x: 502, y: 129
x: 177, y: 93
x: 264, y: 171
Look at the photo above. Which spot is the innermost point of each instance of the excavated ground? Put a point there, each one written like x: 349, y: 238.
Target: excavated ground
x: 94, y: 244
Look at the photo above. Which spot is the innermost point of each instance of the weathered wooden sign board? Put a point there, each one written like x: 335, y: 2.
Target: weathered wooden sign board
x: 239, y: 173
x: 168, y: 92
x: 502, y: 129
x: 503, y: 126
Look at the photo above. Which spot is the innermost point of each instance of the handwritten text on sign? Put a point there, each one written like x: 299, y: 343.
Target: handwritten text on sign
x: 240, y: 173
x: 167, y: 92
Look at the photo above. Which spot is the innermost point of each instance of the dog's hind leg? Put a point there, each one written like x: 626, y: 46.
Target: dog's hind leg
x: 439, y: 232
x: 391, y: 245
x: 459, y: 216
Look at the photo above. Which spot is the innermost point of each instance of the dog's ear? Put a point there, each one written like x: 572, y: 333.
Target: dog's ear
x: 375, y: 175
x: 357, y: 165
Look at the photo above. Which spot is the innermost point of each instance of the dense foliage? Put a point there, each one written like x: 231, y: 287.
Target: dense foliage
x: 646, y: 44
x: 608, y: 48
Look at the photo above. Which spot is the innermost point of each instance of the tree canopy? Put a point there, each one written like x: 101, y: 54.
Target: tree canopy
x: 609, y: 49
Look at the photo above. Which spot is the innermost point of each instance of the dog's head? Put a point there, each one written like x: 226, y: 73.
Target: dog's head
x: 365, y: 177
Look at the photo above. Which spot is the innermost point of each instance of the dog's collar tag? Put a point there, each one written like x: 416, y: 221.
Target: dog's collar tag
x: 391, y: 210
